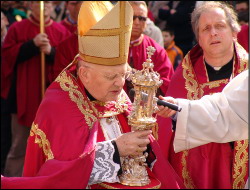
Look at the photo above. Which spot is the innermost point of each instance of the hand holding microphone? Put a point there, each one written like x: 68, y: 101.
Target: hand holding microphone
x: 168, y: 111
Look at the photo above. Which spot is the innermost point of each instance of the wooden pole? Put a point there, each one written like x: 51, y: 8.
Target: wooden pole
x: 42, y: 54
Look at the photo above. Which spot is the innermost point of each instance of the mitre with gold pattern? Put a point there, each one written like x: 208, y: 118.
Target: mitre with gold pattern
x: 104, y: 32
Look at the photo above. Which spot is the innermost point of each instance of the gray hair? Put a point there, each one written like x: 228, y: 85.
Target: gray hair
x: 231, y: 15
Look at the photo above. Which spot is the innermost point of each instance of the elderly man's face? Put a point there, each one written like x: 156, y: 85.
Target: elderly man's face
x: 215, y: 34
x: 139, y: 22
x: 105, y: 83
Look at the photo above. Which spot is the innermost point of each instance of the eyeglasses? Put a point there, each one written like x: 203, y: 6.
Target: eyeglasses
x: 141, y: 18
x: 114, y: 76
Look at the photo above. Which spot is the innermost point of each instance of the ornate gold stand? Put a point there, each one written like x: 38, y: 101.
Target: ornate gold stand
x: 145, y: 84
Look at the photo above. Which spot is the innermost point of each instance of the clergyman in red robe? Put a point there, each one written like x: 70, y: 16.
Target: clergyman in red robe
x: 206, y: 69
x: 80, y: 131
x: 21, y: 75
x: 137, y: 49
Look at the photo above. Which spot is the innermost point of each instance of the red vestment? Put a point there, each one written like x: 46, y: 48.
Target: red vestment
x: 208, y: 166
x: 64, y: 134
x: 28, y: 87
x: 162, y: 63
x: 71, y: 27
x: 66, y: 51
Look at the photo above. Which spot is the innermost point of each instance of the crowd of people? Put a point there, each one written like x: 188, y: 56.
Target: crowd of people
x: 78, y: 129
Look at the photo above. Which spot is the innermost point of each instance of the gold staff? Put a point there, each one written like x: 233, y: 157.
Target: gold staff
x: 42, y: 53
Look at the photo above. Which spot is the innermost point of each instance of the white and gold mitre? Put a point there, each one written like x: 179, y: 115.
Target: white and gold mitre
x: 104, y: 32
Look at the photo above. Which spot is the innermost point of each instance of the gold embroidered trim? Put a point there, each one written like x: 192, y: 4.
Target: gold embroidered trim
x: 42, y: 141
x: 243, y: 56
x: 193, y: 93
x: 212, y: 84
x: 190, y: 84
x: 241, y: 157
x: 240, y: 165
x: 76, y: 96
x: 188, y: 182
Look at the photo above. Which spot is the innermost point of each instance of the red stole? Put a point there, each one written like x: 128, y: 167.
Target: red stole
x: 207, y: 166
x: 66, y: 51
x: 28, y: 72
x: 61, y: 147
x: 162, y: 63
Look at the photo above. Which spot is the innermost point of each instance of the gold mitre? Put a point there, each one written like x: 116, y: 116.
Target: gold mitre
x: 104, y: 32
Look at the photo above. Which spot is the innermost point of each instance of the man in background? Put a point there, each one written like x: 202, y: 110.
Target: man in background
x: 137, y: 50
x: 21, y: 75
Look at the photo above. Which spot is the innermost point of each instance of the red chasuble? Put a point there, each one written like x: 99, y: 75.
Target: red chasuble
x: 28, y: 87
x: 60, y: 151
x: 162, y: 63
x: 208, y: 166
x: 66, y: 51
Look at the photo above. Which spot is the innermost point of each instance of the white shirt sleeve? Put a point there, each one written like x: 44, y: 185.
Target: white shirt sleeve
x: 221, y: 117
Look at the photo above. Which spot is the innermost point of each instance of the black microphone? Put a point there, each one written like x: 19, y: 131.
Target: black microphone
x: 159, y: 102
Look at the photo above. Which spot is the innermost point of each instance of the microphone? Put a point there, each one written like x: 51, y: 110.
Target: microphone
x: 159, y: 102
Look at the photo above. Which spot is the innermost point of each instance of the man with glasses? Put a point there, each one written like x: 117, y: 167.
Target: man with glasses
x: 138, y: 44
x: 80, y: 134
